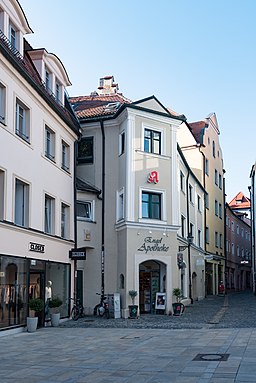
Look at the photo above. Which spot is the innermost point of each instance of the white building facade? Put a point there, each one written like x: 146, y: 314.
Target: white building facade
x: 38, y: 132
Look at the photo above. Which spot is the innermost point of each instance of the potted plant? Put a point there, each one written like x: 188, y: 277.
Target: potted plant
x: 36, y: 306
x: 133, y: 309
x: 178, y: 307
x: 54, y: 304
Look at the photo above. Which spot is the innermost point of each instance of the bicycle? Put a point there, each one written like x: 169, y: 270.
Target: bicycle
x: 102, y: 308
x: 77, y: 309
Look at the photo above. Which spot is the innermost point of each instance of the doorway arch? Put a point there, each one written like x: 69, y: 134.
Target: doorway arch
x: 152, y: 279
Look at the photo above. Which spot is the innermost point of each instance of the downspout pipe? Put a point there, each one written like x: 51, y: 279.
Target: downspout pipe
x: 103, y: 210
x: 189, y: 235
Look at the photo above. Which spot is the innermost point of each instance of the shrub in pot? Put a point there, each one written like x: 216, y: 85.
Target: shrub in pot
x: 36, y: 306
x: 54, y: 305
x: 178, y: 307
x: 133, y: 309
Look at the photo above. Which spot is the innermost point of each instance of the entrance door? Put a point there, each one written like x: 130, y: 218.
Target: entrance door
x: 149, y: 285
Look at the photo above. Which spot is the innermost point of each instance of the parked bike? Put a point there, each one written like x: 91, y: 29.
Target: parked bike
x: 77, y: 309
x: 102, y: 308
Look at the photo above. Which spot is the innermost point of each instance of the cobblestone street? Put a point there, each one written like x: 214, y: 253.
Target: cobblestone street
x: 234, y: 310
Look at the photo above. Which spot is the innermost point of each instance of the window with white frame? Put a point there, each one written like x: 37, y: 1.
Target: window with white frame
x: 121, y: 143
x: 49, y: 143
x: 199, y: 204
x: 191, y: 230
x: 48, y: 84
x: 151, y: 205
x: 2, y: 186
x: 182, y: 180
x: 58, y: 92
x: 183, y: 227
x: 152, y: 141
x: 242, y: 252
x: 190, y: 191
x: 120, y: 205
x: 206, y: 200
x: 232, y: 225
x: 199, y: 234
x: 65, y: 156
x: 22, y: 121
x: 65, y: 214
x: 233, y: 249
x: 237, y: 229
x: 220, y: 181
x: 49, y: 215
x: 84, y: 210
x: 237, y: 251
x: 21, y: 203
x: 13, y: 36
x: 2, y: 104
x: 242, y: 233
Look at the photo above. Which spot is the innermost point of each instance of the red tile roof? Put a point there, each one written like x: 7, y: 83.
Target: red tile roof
x: 240, y: 201
x: 97, y: 105
x: 196, y: 129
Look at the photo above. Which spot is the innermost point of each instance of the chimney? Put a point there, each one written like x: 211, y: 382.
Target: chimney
x: 107, y: 86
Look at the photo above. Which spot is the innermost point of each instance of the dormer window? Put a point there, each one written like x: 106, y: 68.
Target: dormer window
x: 57, y: 92
x: 13, y: 36
x: 48, y: 80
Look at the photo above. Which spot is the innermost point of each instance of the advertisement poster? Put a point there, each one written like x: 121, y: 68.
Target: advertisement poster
x: 160, y: 301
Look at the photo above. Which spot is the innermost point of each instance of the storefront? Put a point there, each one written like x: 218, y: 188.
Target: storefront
x: 22, y: 279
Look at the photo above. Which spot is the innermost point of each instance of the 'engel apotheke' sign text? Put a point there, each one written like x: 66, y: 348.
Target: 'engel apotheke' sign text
x: 151, y: 244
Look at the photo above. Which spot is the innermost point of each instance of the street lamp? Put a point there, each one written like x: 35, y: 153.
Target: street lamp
x: 190, y: 241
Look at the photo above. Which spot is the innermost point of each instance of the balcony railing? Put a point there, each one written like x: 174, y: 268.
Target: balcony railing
x: 34, y: 77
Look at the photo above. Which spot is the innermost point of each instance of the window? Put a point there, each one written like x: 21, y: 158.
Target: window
x: 2, y: 103
x: 183, y: 222
x: 121, y: 143
x: 190, y: 190
x: 49, y: 215
x: 207, y: 239
x: 220, y: 181
x: 49, y: 143
x: 213, y: 149
x: 2, y: 176
x: 237, y: 229
x: 221, y: 241
x: 233, y: 249
x: 216, y: 208
x: 191, y: 229
x: 232, y: 225
x: 151, y: 205
x: 242, y: 252
x: 199, y: 238
x: 120, y: 205
x: 206, y: 167
x: 48, y: 80
x: 22, y: 120
x: 199, y: 206
x: 182, y: 177
x: 152, y: 141
x: 21, y: 203
x: 65, y: 156
x: 237, y: 251
x: 216, y: 239
x: 242, y: 233
x: 84, y: 211
x: 65, y: 221
x: 13, y: 36
x: 57, y: 92
x: 220, y: 210
x: 85, y: 150
x: 216, y: 177
x: 206, y: 200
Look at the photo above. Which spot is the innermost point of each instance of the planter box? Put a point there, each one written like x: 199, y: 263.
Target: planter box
x: 32, y: 324
x: 55, y: 319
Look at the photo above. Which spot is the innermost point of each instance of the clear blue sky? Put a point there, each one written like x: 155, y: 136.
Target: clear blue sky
x: 195, y: 56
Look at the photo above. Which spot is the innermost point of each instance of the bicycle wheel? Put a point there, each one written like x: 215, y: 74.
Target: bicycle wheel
x: 75, y: 313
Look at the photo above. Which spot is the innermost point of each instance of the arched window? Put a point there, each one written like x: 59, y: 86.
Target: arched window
x: 121, y: 281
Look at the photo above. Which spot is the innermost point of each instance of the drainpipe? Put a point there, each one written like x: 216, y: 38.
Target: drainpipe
x: 189, y: 240
x: 75, y: 213
x: 103, y: 212
x: 225, y: 233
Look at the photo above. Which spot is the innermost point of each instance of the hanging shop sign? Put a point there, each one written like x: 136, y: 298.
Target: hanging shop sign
x: 37, y: 247
x: 77, y: 254
x: 153, y: 177
x: 153, y: 244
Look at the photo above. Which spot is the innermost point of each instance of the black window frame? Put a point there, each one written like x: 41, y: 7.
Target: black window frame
x: 151, y: 140
x: 89, y: 157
